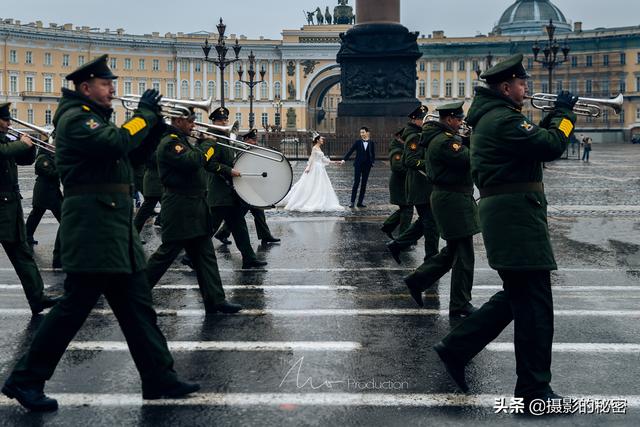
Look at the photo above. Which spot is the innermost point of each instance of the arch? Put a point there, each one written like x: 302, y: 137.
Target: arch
x: 315, y: 91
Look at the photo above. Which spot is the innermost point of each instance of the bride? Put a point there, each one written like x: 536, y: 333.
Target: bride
x: 313, y: 192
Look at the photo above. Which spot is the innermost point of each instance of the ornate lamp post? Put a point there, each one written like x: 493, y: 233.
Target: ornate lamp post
x: 550, y: 51
x: 221, y: 49
x: 277, y: 103
x: 488, y: 64
x: 251, y: 83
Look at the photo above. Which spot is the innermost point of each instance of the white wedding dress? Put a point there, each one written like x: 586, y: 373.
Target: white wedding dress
x: 313, y: 192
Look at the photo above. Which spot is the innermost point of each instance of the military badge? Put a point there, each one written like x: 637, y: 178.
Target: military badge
x: 456, y: 147
x: 528, y: 127
x: 178, y: 148
x: 413, y: 146
x: 45, y: 163
x: 92, y: 124
x: 398, y: 157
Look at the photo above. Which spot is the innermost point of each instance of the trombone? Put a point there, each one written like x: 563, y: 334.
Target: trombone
x: 584, y: 107
x: 220, y: 132
x: 44, y: 144
x: 171, y: 107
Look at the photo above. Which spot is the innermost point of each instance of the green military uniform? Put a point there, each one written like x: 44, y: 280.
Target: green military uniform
x: 100, y: 249
x: 225, y: 204
x: 418, y: 193
x: 46, y: 196
x: 12, y: 227
x: 151, y: 190
x: 186, y: 220
x: 507, y: 152
x: 401, y: 218
x: 259, y: 219
x: 454, y: 210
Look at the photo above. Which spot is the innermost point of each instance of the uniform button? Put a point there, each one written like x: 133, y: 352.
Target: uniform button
x: 113, y: 204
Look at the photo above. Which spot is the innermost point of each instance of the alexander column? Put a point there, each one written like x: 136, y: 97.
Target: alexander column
x: 378, y: 62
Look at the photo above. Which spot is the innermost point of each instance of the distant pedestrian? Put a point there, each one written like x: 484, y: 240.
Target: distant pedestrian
x: 586, y: 148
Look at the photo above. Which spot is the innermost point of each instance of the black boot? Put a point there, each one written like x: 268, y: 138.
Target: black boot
x: 454, y: 367
x: 172, y: 391
x: 31, y: 397
x: 395, y: 250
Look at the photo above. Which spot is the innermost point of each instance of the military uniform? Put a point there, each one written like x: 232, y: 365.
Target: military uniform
x: 100, y: 248
x: 454, y: 210
x: 186, y: 220
x: 401, y: 218
x: 507, y: 152
x: 418, y: 193
x: 151, y: 190
x: 12, y: 227
x: 46, y: 196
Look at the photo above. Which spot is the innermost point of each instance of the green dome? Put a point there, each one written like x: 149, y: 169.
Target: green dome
x: 530, y: 17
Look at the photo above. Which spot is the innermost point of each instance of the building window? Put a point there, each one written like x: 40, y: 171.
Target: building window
x: 574, y: 86
x: 558, y: 86
x: 197, y: 89
x: 141, y: 64
x: 65, y: 84
x: 435, y: 88
x: 170, y: 65
x: 574, y: 61
x: 605, y: 115
x: 637, y: 83
x: 47, y: 58
x: 197, y: 66
x: 48, y: 84
x: 13, y: 84
x: 638, y: 58
x: 80, y: 60
x: 421, y: 65
x: 127, y: 63
x: 435, y: 66
x: 264, y: 90
x: 127, y: 115
x: 475, y: 65
x: 184, y: 65
x: 605, y: 88
x: 461, y: 65
x: 13, y: 57
x: 276, y: 67
x: 211, y: 89
x: 422, y: 89
x: 28, y: 57
x: 605, y: 60
x: 529, y: 63
x: 448, y: 66
x: 127, y: 88
x: 30, y: 115
x: 65, y: 60
x: 209, y: 67
x: 623, y: 86
x: 277, y: 89
x: 237, y: 90
x: 239, y: 119
x: 637, y: 113
x: 461, y: 89
x: 155, y: 65
x: 47, y: 117
x: 588, y: 86
x: 623, y: 58
x: 171, y: 90
x: 545, y: 87
x: 156, y: 86
x: 265, y: 119
x: 447, y: 89
x: 621, y: 117
x: 184, y: 89
x: 226, y: 89
x: 28, y: 84
x: 530, y: 86
x: 14, y: 113
x: 142, y: 86
x: 199, y: 116
x: 113, y: 63
x: 115, y: 86
x: 589, y: 61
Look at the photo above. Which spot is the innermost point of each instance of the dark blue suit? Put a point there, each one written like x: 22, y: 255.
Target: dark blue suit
x: 362, y: 166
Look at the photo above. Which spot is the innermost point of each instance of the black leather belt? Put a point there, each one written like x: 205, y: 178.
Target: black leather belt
x: 467, y: 189
x: 516, y: 187
x: 77, y: 190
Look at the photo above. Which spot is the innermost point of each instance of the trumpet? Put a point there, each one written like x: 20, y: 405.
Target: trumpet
x: 584, y: 107
x: 170, y: 107
x: 44, y: 144
x: 464, y: 131
x: 221, y: 132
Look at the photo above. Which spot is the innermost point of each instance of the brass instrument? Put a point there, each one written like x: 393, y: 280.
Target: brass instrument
x: 44, y: 144
x: 221, y: 132
x: 464, y: 131
x: 584, y: 107
x: 173, y: 108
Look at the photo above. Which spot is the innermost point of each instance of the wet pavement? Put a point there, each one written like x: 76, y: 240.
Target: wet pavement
x: 331, y: 337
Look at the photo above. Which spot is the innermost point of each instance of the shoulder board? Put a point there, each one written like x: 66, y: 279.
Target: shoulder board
x: 85, y: 108
x: 449, y: 134
x: 173, y: 135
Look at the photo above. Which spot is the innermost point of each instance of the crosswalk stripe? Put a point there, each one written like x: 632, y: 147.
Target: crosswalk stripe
x: 563, y: 347
x: 370, y: 399
x: 226, y: 346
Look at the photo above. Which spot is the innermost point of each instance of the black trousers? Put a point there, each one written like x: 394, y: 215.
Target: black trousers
x: 34, y: 219
x: 21, y: 257
x: 129, y: 296
x: 425, y: 226
x: 526, y: 300
x: 145, y: 212
x: 259, y: 219
x: 360, y: 178
x: 233, y: 216
x: 400, y: 219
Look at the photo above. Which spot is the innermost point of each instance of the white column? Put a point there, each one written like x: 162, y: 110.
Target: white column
x: 245, y: 88
x: 442, y: 82
x: 454, y: 89
x: 298, y: 88
x: 191, y: 80
x: 428, y: 79
x: 205, y: 80
x: 468, y: 87
x: 270, y: 80
x: 283, y: 82
x: 232, y: 87
x: 178, y: 80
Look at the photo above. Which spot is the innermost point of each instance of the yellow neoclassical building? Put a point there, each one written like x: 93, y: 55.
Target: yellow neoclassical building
x: 301, y: 88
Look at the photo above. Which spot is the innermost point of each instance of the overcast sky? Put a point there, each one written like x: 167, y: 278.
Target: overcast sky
x: 255, y: 18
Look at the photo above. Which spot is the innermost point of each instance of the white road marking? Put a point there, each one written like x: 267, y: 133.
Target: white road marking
x: 563, y: 347
x: 226, y: 346
x: 290, y: 400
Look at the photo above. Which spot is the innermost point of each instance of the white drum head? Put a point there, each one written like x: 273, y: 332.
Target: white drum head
x: 264, y: 182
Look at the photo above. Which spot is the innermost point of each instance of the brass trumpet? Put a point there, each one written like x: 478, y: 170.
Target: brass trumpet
x: 221, y: 132
x: 584, y: 107
x: 46, y: 145
x: 464, y: 131
x: 170, y: 107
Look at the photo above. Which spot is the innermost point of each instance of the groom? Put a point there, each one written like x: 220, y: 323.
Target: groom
x: 365, y: 156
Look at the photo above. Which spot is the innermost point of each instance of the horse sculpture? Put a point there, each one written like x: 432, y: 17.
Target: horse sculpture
x: 327, y: 16
x: 319, y: 16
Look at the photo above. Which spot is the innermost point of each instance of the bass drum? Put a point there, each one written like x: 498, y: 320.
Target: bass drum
x: 263, y: 182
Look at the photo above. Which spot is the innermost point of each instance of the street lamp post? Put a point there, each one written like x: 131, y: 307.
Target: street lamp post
x: 221, y: 50
x: 277, y: 103
x: 251, y: 83
x: 550, y: 51
x: 488, y: 64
